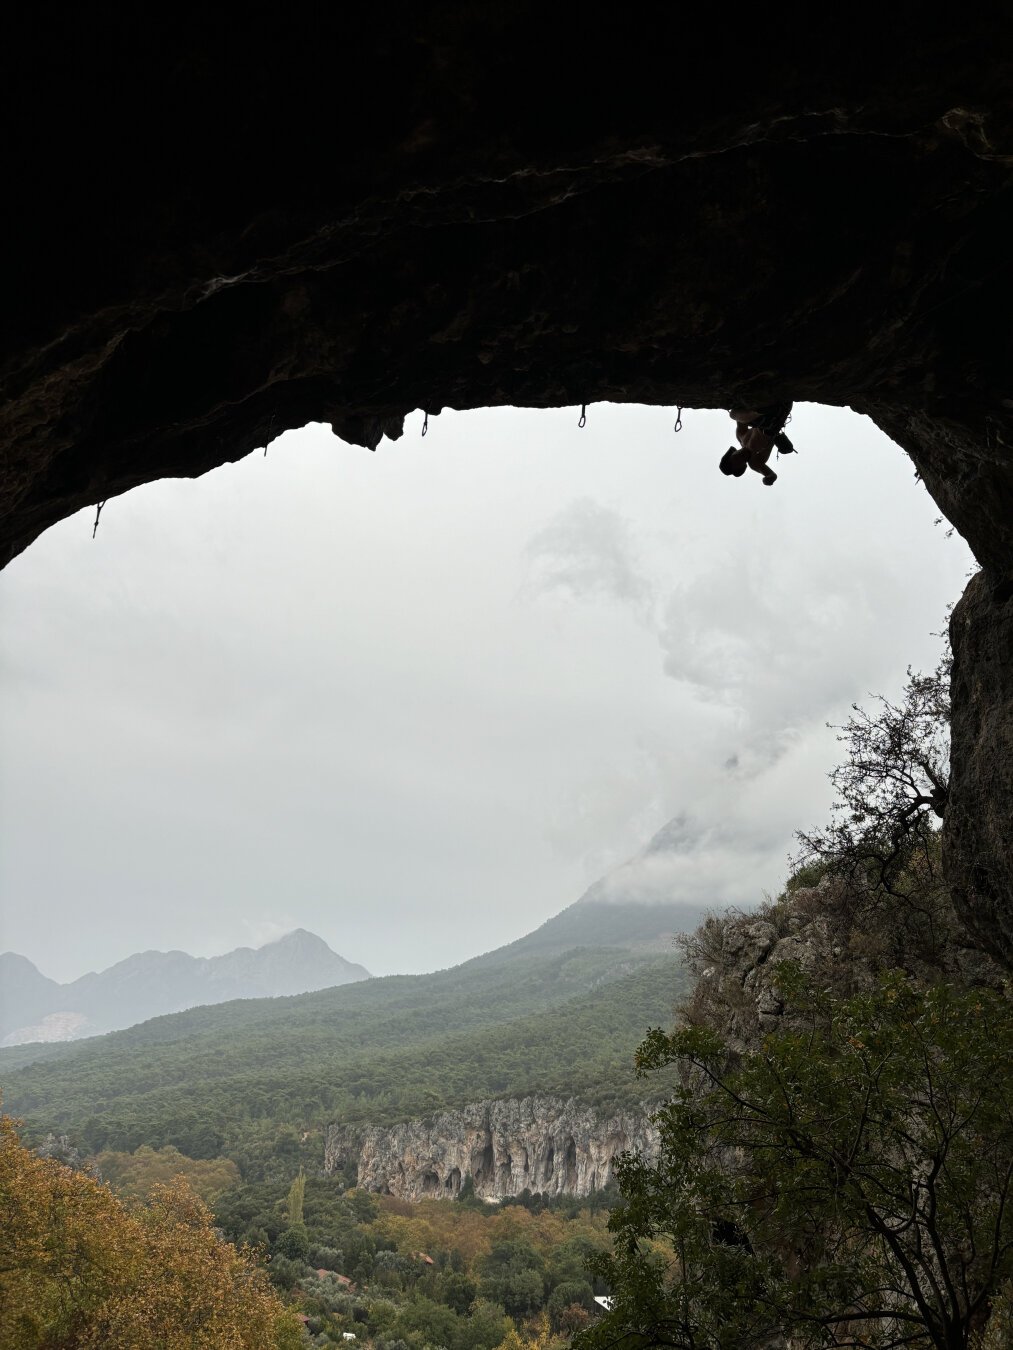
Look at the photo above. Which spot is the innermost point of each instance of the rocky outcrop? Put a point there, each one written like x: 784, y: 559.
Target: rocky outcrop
x: 224, y: 231
x: 841, y: 936
x: 539, y: 1144
x: 736, y: 960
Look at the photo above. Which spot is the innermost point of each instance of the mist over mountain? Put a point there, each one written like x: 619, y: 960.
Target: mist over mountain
x: 689, y: 857
x: 593, y: 921
x: 628, y: 908
x: 150, y: 984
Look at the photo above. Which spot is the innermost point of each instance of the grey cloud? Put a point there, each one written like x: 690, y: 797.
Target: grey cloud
x: 301, y: 692
x: 681, y: 834
x: 586, y: 552
x: 773, y: 641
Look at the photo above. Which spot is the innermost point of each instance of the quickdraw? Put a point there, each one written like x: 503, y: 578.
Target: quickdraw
x: 583, y: 415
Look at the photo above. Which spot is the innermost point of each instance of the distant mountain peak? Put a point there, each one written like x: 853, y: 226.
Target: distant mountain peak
x: 14, y: 961
x: 152, y: 983
x: 302, y: 938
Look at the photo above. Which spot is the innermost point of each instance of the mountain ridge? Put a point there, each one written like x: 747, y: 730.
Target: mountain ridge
x: 155, y: 983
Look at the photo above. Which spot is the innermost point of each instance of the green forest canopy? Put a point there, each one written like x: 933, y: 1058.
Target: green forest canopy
x: 562, y: 1023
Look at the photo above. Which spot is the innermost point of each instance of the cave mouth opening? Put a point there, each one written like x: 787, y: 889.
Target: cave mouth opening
x: 452, y: 1184
x: 483, y: 1165
x: 392, y: 633
x: 504, y: 1175
x: 570, y: 1164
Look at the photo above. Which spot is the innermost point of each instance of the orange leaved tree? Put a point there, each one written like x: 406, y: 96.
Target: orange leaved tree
x: 78, y: 1269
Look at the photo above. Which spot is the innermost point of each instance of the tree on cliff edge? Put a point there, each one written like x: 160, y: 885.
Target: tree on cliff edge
x: 892, y: 789
x: 850, y: 1183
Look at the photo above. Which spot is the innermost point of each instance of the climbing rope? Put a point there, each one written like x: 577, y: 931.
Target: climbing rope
x: 583, y: 415
x: 678, y: 421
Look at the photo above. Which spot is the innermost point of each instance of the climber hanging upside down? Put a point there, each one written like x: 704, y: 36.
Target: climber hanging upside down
x: 759, y: 431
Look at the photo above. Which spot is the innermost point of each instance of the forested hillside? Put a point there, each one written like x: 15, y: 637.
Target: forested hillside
x: 236, y: 1099
x: 227, y: 1078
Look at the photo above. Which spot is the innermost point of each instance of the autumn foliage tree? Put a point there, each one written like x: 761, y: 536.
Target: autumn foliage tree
x: 135, y: 1175
x: 80, y: 1270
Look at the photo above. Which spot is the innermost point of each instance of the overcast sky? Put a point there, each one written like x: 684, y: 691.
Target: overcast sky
x: 417, y: 701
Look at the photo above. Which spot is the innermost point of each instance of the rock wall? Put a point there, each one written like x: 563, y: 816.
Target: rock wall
x: 539, y: 1144
x: 978, y: 828
x: 842, y: 936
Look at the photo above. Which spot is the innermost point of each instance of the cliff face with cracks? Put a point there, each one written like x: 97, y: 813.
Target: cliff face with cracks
x: 217, y: 234
x: 539, y: 1144
x: 842, y: 935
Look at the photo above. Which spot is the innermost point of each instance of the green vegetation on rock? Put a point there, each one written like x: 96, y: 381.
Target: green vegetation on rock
x: 851, y: 1177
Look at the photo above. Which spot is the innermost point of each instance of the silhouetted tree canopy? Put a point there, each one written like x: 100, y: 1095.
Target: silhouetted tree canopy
x: 892, y: 787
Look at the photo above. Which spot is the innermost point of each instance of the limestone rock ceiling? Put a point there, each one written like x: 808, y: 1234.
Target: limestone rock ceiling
x: 215, y: 234
x: 219, y: 235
